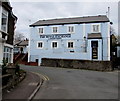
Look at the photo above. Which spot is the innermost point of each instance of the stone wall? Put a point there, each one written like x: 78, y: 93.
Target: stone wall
x: 78, y: 64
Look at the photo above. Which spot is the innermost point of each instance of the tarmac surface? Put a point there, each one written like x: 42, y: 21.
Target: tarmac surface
x: 25, y: 89
x: 62, y: 83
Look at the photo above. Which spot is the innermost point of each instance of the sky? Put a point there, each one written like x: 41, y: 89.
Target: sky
x: 29, y: 12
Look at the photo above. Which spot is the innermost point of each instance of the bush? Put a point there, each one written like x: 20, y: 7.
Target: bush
x: 4, y: 67
x: 17, y: 69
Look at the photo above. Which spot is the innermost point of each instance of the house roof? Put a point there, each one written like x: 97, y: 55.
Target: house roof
x: 76, y: 20
x: 94, y: 36
x: 24, y: 43
x: 21, y: 43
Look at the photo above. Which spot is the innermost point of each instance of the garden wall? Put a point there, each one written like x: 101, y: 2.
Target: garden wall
x: 78, y: 64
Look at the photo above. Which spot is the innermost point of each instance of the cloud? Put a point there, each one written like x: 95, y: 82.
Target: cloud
x: 30, y: 12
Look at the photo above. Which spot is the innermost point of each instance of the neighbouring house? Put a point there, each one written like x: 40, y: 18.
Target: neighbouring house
x: 7, y: 27
x: 21, y: 46
x: 20, y: 51
x: 118, y: 50
x: 81, y: 38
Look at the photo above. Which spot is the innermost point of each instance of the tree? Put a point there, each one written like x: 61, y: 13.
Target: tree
x: 19, y: 36
x: 112, y: 31
x: 118, y: 39
x: 113, y: 36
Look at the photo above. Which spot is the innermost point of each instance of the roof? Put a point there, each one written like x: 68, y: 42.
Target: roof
x: 24, y: 43
x: 94, y: 36
x: 76, y: 20
x: 21, y: 43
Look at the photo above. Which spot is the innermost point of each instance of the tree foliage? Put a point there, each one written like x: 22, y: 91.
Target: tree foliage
x: 19, y: 36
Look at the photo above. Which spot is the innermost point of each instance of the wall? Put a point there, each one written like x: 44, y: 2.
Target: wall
x: 78, y: 64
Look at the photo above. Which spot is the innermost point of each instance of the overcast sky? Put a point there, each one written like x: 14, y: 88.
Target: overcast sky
x: 30, y: 12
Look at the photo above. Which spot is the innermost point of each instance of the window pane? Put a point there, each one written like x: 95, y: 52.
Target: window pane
x: 4, y: 22
x: 40, y: 44
x: 95, y: 28
x: 54, y: 44
x: 55, y: 29
x: 70, y: 44
x: 71, y: 29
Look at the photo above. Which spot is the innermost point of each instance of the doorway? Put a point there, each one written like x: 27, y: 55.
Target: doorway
x: 94, y: 45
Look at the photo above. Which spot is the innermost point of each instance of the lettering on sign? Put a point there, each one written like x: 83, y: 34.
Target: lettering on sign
x: 56, y: 36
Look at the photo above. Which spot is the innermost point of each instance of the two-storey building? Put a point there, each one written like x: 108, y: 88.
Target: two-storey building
x: 7, y: 26
x: 82, y: 38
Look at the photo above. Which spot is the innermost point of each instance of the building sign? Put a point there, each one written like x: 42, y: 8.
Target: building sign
x: 56, y: 36
x: 94, y: 45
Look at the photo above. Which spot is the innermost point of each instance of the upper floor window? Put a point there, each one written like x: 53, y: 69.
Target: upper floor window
x: 71, y: 44
x: 55, y: 30
x: 71, y: 29
x: 95, y: 28
x: 4, y: 20
x: 41, y: 30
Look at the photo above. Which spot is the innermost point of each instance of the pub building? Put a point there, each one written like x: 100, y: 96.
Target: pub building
x: 81, y: 38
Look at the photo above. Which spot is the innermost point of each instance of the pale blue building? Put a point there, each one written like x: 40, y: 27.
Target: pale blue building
x: 82, y: 38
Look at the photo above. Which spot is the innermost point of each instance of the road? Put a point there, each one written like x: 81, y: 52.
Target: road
x: 76, y: 84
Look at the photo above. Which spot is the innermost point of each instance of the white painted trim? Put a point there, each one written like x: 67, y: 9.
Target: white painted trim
x: 8, y: 45
x: 84, y: 30
x: 108, y: 42
x: 42, y: 44
x: 0, y: 16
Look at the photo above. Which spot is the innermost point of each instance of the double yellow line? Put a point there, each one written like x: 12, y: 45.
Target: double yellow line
x: 46, y: 78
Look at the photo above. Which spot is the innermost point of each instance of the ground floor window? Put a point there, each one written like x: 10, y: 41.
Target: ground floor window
x: 54, y: 45
x: 70, y: 44
x: 7, y: 54
x: 40, y: 45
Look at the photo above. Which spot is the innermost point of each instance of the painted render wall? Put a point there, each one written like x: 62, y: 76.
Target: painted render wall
x: 62, y: 52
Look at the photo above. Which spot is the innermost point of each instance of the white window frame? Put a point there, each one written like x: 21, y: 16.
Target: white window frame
x: 52, y: 45
x: 73, y: 44
x: 7, y: 54
x: 98, y: 29
x: 39, y: 30
x: 53, y: 29
x: 5, y: 12
x: 42, y: 44
x: 73, y: 29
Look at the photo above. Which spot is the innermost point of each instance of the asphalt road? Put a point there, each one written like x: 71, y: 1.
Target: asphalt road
x: 76, y: 84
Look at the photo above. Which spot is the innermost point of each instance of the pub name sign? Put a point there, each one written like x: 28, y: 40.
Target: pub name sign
x: 56, y: 36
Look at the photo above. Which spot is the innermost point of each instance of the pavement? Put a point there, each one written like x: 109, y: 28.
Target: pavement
x: 25, y: 89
